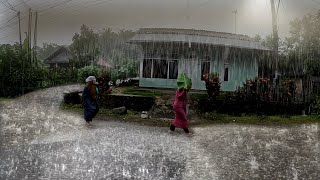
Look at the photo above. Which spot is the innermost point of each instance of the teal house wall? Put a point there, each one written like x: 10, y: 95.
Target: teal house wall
x: 234, y: 64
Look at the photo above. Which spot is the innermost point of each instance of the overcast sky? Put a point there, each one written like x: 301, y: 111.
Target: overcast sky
x: 63, y: 18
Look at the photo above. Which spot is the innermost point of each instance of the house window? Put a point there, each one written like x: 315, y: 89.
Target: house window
x: 205, y: 69
x: 173, y: 69
x: 160, y: 68
x: 147, y: 65
x: 226, y: 74
x: 174, y: 55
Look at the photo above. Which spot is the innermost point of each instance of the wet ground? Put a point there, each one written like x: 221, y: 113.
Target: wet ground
x: 38, y: 141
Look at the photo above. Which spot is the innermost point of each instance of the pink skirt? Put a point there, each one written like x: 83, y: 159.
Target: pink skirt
x: 181, y: 118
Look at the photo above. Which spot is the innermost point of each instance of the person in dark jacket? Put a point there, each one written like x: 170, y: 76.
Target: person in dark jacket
x: 90, y: 103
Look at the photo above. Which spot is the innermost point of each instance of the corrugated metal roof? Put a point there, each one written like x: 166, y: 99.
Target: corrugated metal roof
x: 193, y: 32
x: 195, y: 36
x: 54, y: 57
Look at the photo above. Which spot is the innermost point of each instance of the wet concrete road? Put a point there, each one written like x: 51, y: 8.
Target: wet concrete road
x: 38, y: 141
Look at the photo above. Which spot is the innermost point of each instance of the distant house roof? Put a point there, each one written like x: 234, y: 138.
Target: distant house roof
x: 195, y: 36
x: 61, y: 56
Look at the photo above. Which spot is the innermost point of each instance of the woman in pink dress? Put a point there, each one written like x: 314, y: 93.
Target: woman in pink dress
x: 179, y: 106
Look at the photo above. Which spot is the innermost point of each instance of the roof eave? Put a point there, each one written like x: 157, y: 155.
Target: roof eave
x: 224, y: 45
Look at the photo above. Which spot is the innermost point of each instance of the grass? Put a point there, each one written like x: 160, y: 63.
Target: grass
x: 106, y: 114
x: 204, y: 120
x: 261, y: 120
x: 5, y: 99
x: 140, y: 92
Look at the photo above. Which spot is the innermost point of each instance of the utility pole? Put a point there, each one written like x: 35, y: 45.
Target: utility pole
x: 30, y: 35
x: 275, y: 36
x: 235, y: 12
x: 35, y: 38
x: 22, y: 79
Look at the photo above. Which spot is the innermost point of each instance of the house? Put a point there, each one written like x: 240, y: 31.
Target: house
x: 60, y: 58
x: 169, y: 52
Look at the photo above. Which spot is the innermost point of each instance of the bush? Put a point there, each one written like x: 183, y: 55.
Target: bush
x: 12, y: 63
x: 288, y: 91
x: 62, y: 75
x: 103, y: 84
x: 83, y: 73
x: 262, y: 90
x: 130, y: 70
x: 255, y: 91
x: 315, y: 106
x: 213, y: 85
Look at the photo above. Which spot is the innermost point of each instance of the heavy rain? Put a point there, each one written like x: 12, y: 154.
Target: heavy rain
x: 146, y: 89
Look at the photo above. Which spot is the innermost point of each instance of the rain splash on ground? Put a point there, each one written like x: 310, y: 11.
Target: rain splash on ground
x: 38, y: 141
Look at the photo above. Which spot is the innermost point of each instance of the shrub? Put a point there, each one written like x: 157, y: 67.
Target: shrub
x: 104, y: 87
x: 12, y: 63
x: 123, y: 72
x: 315, y: 106
x: 258, y: 90
x: 288, y: 91
x: 213, y: 85
x: 84, y: 72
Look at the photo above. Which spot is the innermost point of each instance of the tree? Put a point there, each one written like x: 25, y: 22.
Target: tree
x: 302, y: 46
x: 85, y: 45
x: 12, y: 61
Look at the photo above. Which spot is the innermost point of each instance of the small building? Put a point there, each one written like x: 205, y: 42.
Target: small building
x: 169, y: 52
x: 60, y: 58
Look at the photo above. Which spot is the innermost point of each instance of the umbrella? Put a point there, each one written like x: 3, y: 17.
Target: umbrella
x: 183, y: 80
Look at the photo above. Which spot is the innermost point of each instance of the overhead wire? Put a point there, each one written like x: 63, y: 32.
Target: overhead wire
x: 46, y: 8
x: 9, y: 7
x: 7, y: 22
x: 315, y: 1
x: 11, y: 25
x: 82, y: 5
x: 23, y: 2
x: 14, y: 23
x: 13, y: 7
x: 51, y: 7
x: 53, y: 19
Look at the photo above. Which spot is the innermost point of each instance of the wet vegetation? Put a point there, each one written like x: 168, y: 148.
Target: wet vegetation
x: 294, y: 91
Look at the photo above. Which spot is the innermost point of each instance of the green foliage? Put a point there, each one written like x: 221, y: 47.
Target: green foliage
x: 105, y: 73
x: 89, y: 46
x: 213, y: 85
x: 315, y: 106
x: 125, y: 71
x: 83, y: 73
x: 84, y: 46
x: 262, y: 90
x: 60, y: 76
x: 288, y: 90
x: 302, y: 46
x: 17, y: 73
x: 313, y: 67
x: 256, y: 91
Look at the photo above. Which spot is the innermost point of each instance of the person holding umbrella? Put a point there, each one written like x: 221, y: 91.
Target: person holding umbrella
x: 180, y: 103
